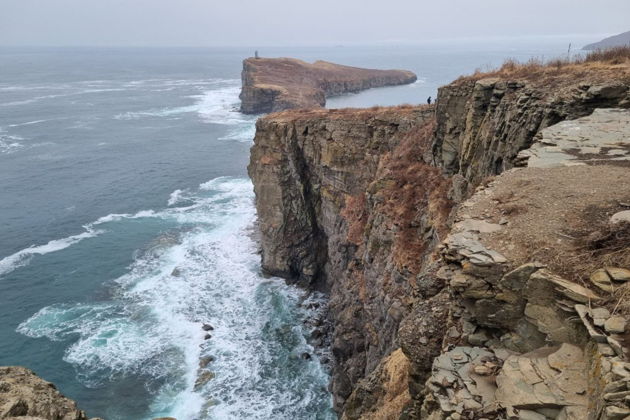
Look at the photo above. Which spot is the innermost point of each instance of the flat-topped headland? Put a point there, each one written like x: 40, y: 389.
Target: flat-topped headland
x: 278, y: 84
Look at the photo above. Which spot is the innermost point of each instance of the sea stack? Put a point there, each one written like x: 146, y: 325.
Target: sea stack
x: 278, y: 84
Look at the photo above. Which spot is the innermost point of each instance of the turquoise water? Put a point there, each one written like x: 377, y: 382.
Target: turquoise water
x: 126, y: 221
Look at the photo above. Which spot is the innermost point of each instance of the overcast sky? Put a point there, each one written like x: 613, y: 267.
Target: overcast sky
x: 298, y: 22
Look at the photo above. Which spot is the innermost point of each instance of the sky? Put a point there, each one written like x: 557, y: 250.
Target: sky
x: 213, y: 23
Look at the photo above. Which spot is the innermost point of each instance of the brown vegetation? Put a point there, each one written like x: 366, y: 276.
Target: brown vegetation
x: 413, y: 197
x: 343, y: 113
x: 355, y: 213
x: 613, y: 59
x: 599, y: 244
x: 273, y: 84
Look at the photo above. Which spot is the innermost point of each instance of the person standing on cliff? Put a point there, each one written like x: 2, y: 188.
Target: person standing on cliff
x: 429, y: 100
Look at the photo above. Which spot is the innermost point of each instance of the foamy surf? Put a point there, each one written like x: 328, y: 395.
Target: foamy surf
x: 217, y: 106
x: 22, y: 257
x: 203, y: 269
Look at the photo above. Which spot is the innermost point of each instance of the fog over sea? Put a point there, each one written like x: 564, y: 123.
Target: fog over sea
x: 125, y: 224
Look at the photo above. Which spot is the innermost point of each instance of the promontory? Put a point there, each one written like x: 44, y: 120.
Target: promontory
x: 277, y: 84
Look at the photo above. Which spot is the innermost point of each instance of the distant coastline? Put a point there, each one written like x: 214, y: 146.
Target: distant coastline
x: 619, y: 40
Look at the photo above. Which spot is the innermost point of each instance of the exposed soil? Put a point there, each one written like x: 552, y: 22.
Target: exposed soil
x: 558, y: 216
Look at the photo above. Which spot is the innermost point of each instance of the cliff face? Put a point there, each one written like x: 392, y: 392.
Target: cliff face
x: 276, y: 84
x: 483, y: 122
x: 371, y: 205
x: 311, y: 171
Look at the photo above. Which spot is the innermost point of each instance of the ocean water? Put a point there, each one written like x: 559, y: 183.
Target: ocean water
x: 127, y: 222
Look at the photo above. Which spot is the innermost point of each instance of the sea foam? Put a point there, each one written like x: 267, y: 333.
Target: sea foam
x: 151, y: 325
x: 22, y: 257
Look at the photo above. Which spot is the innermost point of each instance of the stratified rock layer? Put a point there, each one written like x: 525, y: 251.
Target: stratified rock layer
x: 327, y: 187
x: 277, y: 84
x: 483, y: 122
x: 357, y: 202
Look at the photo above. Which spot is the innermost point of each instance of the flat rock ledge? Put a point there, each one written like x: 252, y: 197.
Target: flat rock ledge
x: 523, y: 343
x: 600, y: 138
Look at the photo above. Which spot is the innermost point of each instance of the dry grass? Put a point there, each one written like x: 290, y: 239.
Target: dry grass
x: 344, y: 113
x: 597, y: 244
x: 617, y: 58
x: 414, y: 197
x: 615, y: 55
x: 355, y: 213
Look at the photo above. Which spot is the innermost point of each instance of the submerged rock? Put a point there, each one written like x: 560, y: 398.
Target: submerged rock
x: 203, y: 378
x: 205, y: 361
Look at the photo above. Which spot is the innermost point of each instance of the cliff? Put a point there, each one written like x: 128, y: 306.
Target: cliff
x: 327, y: 185
x: 460, y: 285
x: 619, y: 40
x: 484, y: 120
x: 276, y: 84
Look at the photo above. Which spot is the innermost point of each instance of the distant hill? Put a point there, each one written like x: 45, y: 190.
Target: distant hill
x: 611, y: 41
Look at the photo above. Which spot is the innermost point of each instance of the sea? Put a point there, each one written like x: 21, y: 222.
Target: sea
x: 127, y: 222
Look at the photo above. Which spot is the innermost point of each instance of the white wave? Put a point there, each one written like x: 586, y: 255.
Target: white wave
x: 28, y: 123
x: 221, y: 106
x: 115, y: 217
x: 20, y: 258
x: 243, y: 133
x: 10, y: 144
x: 421, y: 81
x: 152, y: 324
x: 216, y: 106
x: 175, y: 197
x: 59, y: 95
x: 35, y: 87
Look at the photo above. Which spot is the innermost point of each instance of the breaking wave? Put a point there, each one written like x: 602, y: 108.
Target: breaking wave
x: 204, y: 268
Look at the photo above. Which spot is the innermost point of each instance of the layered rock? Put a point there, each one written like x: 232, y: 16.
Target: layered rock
x: 516, y: 269
x: 23, y: 395
x: 345, y: 203
x: 542, y: 336
x: 276, y: 84
x: 357, y: 202
x: 484, y: 121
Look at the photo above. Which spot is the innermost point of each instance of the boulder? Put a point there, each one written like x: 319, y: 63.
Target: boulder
x: 569, y: 289
x: 615, y: 324
x: 618, y: 274
x: 622, y: 216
